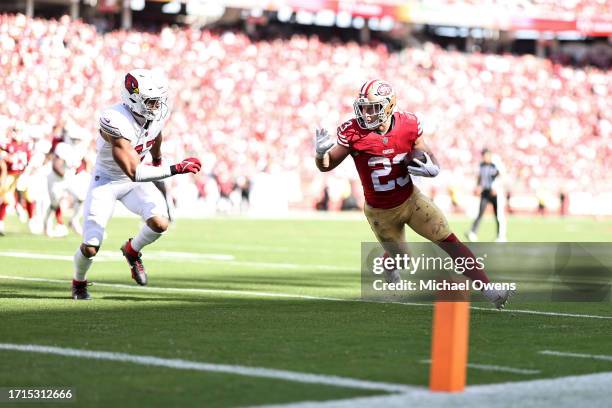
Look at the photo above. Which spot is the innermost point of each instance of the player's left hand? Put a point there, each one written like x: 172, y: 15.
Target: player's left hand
x: 427, y: 169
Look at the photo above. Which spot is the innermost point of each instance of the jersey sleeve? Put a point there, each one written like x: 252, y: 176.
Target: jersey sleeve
x: 114, y: 123
x: 343, y: 134
x: 419, y: 126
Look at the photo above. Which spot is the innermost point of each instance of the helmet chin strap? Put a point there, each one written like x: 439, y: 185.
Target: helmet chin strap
x: 385, y: 127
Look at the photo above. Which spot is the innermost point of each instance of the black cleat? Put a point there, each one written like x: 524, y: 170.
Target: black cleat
x: 137, y: 267
x: 79, y: 290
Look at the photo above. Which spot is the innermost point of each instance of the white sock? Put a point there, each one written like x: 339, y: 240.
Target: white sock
x: 145, y: 237
x: 81, y: 265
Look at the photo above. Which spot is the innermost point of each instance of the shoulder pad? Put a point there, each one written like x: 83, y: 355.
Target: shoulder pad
x: 115, y: 123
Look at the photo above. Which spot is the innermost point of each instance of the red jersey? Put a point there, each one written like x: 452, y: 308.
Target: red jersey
x: 16, y: 155
x: 380, y: 158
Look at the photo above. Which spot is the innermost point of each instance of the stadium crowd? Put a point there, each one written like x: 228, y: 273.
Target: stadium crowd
x: 248, y: 107
x: 566, y: 8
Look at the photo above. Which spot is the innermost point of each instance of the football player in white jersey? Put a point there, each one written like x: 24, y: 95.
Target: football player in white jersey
x: 128, y: 131
x: 64, y: 163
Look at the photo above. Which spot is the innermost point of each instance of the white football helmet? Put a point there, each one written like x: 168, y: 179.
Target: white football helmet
x: 145, y: 93
x: 375, y: 104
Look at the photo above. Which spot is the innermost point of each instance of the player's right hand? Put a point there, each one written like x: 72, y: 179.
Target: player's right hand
x: 323, y: 142
x: 188, y: 165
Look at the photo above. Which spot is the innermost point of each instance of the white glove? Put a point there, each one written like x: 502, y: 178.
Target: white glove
x: 322, y: 143
x: 427, y: 169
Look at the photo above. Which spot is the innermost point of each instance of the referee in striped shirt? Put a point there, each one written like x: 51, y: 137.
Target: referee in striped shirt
x: 490, y: 192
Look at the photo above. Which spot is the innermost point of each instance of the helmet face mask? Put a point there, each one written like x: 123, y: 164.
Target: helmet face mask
x: 375, y: 104
x: 145, y: 93
x: 370, y: 115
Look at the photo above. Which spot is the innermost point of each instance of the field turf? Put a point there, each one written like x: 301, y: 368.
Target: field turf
x: 303, y: 271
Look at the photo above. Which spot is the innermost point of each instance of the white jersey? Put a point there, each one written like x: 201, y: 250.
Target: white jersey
x: 118, y: 121
x: 71, y: 157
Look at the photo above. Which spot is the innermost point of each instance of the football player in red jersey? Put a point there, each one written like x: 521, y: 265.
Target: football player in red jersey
x: 379, y: 140
x: 16, y: 154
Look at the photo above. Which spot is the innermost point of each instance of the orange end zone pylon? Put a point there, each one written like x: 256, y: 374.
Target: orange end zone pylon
x: 449, y: 346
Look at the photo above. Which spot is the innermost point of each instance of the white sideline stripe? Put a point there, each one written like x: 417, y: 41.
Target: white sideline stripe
x: 105, y: 256
x: 180, y: 364
x: 590, y: 390
x: 578, y: 355
x: 488, y: 367
x: 295, y: 296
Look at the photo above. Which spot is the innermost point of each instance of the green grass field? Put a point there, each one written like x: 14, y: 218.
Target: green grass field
x: 292, y: 265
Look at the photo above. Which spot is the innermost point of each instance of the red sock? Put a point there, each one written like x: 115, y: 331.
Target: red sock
x: 3, y: 211
x: 30, y: 207
x: 58, y: 216
x: 458, y: 249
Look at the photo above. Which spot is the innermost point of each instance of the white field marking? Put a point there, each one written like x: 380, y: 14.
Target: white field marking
x: 488, y: 367
x: 578, y: 355
x: 106, y: 256
x: 542, y: 313
x: 293, y: 296
x: 184, y: 290
x: 180, y: 364
x: 277, y: 248
x: 591, y: 390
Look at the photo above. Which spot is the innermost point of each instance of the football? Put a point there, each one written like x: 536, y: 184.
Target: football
x: 415, y: 154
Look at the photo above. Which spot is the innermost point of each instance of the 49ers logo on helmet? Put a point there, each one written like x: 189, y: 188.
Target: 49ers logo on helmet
x: 384, y: 89
x: 131, y: 84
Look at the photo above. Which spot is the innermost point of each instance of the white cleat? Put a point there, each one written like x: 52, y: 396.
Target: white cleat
x: 501, y: 239
x: 392, y: 276
x: 504, y: 297
x: 471, y: 236
x: 1, y: 228
x: 35, y: 226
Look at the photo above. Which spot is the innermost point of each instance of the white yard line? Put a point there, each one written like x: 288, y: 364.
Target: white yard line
x: 602, y: 357
x: 105, y: 256
x: 295, y: 296
x: 179, y: 364
x: 542, y: 313
x: 183, y: 290
x: 503, y: 369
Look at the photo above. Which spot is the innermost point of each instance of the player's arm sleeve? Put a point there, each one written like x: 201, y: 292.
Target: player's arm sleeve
x: 342, y: 139
x: 419, y: 127
x: 113, y: 124
x: 126, y: 158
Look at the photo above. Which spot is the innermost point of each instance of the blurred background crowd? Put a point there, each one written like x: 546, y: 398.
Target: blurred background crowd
x: 247, y: 101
